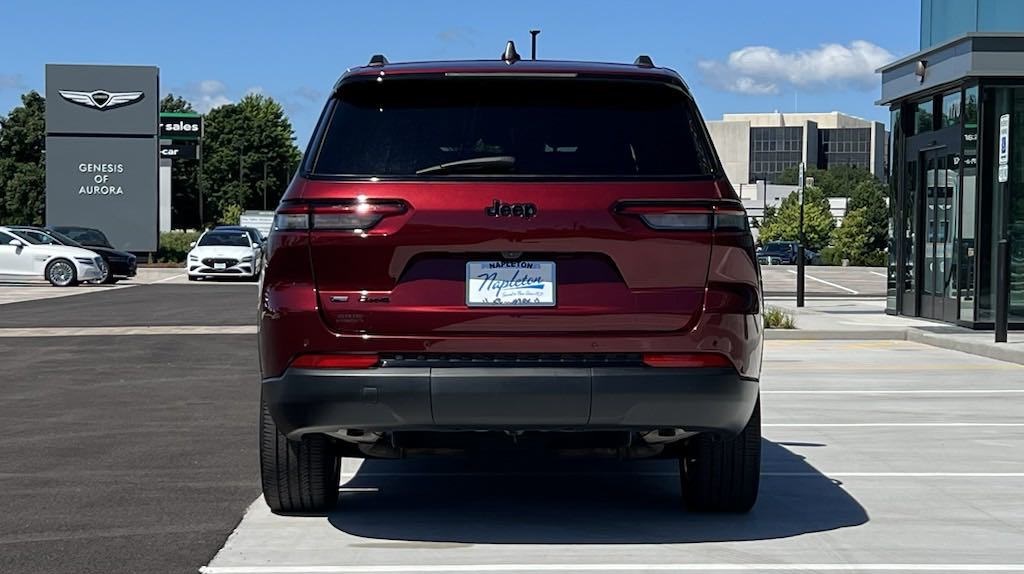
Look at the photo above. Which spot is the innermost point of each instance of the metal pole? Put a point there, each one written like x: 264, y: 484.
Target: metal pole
x: 199, y: 185
x: 800, y: 245
x: 533, y: 44
x: 1002, y: 290
x: 1002, y: 310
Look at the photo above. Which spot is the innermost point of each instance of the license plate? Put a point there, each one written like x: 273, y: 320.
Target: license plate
x: 510, y: 284
x: 220, y: 265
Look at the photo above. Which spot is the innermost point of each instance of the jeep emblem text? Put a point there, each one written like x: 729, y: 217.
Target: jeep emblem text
x: 499, y: 209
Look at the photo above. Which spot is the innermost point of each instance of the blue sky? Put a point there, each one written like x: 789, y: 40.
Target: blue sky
x: 737, y: 55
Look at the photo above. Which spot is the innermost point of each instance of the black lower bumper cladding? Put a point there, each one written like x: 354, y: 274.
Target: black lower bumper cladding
x: 487, y: 398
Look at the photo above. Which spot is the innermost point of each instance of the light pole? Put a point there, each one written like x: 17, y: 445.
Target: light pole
x: 264, y: 184
x: 800, y: 243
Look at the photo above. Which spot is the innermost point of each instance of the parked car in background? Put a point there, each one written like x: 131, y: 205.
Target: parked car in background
x: 225, y: 252
x: 23, y: 257
x: 254, y: 234
x: 120, y: 264
x: 784, y: 253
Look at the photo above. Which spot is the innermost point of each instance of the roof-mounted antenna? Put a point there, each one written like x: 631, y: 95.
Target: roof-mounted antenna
x: 377, y: 60
x: 533, y: 44
x: 510, y: 56
x: 643, y: 61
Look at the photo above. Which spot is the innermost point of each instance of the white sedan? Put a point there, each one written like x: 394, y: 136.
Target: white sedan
x: 225, y: 253
x: 23, y: 257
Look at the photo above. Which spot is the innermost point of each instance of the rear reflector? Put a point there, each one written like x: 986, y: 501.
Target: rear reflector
x: 686, y: 360
x: 336, y: 361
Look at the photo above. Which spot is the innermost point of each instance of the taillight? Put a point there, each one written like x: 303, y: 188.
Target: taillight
x: 291, y: 218
x: 336, y: 361
x: 686, y: 360
x: 686, y: 216
x: 732, y: 298
x: 356, y: 215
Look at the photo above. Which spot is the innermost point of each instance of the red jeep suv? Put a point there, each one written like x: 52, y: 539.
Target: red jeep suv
x: 481, y: 252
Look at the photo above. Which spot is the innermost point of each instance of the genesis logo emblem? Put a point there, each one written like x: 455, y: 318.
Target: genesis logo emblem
x: 101, y: 99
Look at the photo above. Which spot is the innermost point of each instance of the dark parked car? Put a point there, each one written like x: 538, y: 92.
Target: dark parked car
x: 532, y: 252
x: 785, y: 253
x: 120, y: 264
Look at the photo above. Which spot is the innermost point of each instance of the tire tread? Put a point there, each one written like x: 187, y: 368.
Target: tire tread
x: 298, y: 477
x: 723, y: 475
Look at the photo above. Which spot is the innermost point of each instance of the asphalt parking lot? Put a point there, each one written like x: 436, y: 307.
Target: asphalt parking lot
x: 137, y: 453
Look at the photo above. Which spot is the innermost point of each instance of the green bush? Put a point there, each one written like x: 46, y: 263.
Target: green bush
x: 175, y: 245
x: 830, y: 256
x: 775, y: 318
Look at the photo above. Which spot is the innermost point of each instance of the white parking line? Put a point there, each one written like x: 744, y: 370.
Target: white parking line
x: 935, y: 424
x: 829, y: 283
x: 171, y: 278
x: 484, y: 474
x: 682, y: 567
x: 902, y: 392
x: 20, y: 332
x: 879, y: 274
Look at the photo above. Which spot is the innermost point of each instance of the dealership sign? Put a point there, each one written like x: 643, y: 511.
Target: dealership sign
x: 181, y: 126
x: 182, y: 150
x: 102, y: 151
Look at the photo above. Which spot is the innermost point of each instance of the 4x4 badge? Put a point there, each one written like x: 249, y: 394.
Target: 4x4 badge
x: 499, y: 209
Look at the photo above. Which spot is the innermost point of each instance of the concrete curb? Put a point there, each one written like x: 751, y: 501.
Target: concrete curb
x: 834, y: 335
x: 1001, y: 352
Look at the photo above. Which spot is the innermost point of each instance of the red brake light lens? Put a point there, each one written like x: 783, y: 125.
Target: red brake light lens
x: 686, y: 360
x: 332, y: 361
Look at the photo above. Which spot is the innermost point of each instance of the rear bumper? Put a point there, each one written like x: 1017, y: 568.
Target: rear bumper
x: 309, y: 401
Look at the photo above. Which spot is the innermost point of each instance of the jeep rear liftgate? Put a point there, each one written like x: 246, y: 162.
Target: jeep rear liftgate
x: 623, y: 258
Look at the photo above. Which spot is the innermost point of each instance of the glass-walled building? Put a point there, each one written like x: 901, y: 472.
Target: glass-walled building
x: 944, y: 20
x: 946, y: 203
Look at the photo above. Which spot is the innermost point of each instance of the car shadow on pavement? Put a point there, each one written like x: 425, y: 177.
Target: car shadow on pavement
x: 536, y: 500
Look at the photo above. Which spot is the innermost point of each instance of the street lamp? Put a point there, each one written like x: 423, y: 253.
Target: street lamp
x: 800, y: 243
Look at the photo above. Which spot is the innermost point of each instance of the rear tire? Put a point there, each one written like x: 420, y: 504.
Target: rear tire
x: 299, y: 477
x: 722, y: 475
x: 193, y: 278
x: 62, y: 273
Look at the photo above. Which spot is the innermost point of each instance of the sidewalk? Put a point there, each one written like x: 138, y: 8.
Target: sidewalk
x: 866, y: 319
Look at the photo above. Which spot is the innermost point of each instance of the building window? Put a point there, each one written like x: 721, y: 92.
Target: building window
x: 773, y: 151
x: 951, y: 109
x: 924, y: 117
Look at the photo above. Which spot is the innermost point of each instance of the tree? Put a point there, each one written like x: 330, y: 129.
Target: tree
x: 22, y: 162
x: 784, y: 224
x: 184, y: 175
x: 869, y: 196
x: 242, y: 142
x: 850, y: 240
x: 172, y: 103
x: 837, y: 181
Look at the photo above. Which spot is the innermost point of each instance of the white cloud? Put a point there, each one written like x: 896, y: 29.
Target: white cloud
x: 207, y: 94
x: 254, y: 90
x: 12, y: 82
x: 760, y: 70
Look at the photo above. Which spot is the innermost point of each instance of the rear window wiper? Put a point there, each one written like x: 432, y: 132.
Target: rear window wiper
x: 472, y: 164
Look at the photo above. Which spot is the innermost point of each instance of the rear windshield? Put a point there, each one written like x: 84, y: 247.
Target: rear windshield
x: 514, y: 127
x: 226, y: 238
